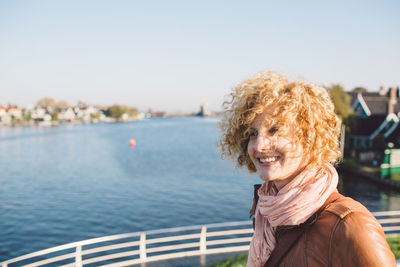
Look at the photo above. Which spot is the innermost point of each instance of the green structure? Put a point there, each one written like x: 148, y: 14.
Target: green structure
x: 391, y: 163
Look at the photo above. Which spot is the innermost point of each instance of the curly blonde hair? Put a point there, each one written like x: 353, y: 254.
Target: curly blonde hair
x: 303, y: 108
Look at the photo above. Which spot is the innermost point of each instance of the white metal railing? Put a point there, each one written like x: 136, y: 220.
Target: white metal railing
x: 139, y: 247
x: 135, y: 248
x: 390, y: 221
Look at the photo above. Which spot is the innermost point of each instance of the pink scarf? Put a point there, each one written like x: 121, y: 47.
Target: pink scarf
x: 292, y: 205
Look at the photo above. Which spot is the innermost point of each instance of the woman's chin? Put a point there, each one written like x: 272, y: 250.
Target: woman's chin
x: 266, y: 178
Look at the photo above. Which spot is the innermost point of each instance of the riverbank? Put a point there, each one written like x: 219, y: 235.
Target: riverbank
x: 372, y: 174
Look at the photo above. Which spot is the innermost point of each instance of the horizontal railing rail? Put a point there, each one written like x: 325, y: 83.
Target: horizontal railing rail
x: 390, y: 221
x: 135, y: 248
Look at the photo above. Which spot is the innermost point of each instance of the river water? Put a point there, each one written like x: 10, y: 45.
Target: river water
x: 69, y: 183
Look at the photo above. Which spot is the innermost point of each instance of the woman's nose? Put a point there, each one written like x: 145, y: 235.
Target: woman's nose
x: 263, y: 143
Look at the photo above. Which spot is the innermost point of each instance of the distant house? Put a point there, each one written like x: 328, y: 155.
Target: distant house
x: 67, y: 115
x: 4, y: 117
x: 38, y: 114
x: 3, y: 111
x: 377, y: 123
x: 10, y: 114
x: 371, y: 103
x: 86, y: 113
x: 15, y: 112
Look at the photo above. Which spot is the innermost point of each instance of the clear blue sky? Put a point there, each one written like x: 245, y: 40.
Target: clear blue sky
x: 176, y: 55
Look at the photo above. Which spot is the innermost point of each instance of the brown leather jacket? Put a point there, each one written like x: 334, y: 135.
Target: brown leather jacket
x: 342, y: 233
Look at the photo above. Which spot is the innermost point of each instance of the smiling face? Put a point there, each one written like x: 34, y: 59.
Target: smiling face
x: 274, y: 154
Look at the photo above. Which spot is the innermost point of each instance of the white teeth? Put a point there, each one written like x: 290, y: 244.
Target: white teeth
x: 269, y: 159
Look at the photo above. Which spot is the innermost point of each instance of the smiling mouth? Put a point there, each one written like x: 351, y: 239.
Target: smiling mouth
x: 268, y: 160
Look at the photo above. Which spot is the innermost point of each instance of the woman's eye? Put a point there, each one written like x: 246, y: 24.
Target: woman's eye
x: 253, y: 133
x: 273, y: 130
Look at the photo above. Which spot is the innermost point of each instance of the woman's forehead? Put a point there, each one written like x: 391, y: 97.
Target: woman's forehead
x: 268, y: 114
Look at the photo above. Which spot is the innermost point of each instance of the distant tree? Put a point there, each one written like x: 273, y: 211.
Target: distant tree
x: 28, y: 116
x: 54, y: 117
x: 359, y: 90
x: 133, y: 112
x: 46, y: 102
x: 62, y: 105
x: 94, y: 116
x: 341, y: 100
x: 116, y: 111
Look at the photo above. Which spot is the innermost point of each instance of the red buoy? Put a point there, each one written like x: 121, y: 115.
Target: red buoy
x: 132, y: 142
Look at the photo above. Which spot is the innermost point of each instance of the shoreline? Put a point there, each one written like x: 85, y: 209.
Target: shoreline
x: 50, y: 124
x: 391, y: 184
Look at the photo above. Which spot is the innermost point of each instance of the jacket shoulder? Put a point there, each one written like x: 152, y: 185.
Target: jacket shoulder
x: 359, y: 234
x: 344, y: 206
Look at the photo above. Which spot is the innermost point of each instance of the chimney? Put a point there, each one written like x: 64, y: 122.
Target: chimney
x: 382, y: 90
x: 392, y: 100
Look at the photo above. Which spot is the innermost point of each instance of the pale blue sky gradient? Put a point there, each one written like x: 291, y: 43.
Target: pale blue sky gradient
x: 176, y: 55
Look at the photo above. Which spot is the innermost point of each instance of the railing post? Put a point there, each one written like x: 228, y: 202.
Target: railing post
x: 78, y: 256
x: 142, y: 247
x: 203, y: 239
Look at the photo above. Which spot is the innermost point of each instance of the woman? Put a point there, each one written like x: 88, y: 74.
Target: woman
x: 288, y: 134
